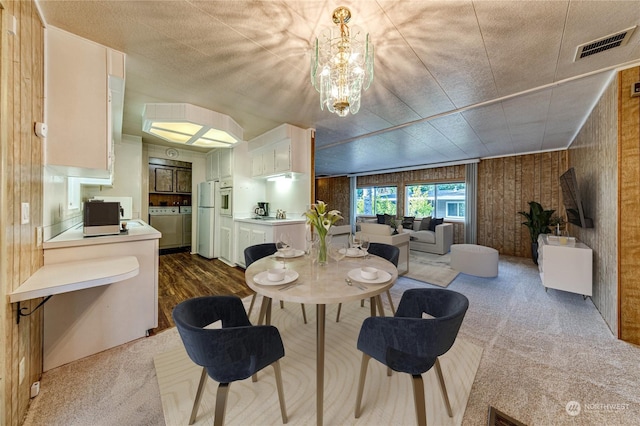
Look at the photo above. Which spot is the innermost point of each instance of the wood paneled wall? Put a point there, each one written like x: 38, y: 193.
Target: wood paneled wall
x: 628, y: 208
x: 505, y: 187
x: 334, y: 192
x: 21, y: 104
x: 593, y: 154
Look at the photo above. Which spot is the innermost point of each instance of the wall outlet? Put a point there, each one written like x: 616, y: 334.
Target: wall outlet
x: 35, y: 389
x: 38, y: 236
x: 21, y: 371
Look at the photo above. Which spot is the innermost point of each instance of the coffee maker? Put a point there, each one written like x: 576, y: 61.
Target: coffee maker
x: 262, y: 209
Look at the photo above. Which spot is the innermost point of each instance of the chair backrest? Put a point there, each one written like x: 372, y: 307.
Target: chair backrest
x: 257, y: 252
x: 386, y: 251
x: 447, y: 308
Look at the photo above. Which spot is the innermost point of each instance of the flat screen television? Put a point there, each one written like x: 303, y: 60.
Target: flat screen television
x: 571, y: 200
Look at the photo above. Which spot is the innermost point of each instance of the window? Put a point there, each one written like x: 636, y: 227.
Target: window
x: 377, y: 200
x: 445, y: 200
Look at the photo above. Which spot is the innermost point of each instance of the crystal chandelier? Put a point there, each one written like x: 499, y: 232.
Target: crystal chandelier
x: 342, y: 65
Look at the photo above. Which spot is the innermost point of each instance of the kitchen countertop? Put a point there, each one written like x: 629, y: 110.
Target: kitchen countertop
x: 271, y: 221
x: 137, y: 230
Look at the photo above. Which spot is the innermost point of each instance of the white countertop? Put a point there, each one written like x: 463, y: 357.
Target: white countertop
x: 271, y: 221
x: 137, y: 230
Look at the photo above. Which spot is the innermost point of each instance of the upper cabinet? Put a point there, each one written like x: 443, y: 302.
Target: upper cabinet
x: 285, y: 149
x: 169, y: 176
x: 219, y: 164
x: 84, y: 104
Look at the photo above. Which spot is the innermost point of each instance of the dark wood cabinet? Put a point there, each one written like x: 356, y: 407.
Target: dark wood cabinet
x: 168, y: 178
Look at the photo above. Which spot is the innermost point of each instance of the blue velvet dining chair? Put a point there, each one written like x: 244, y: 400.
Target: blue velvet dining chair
x: 255, y: 253
x: 409, y: 343
x: 385, y: 251
x: 236, y: 351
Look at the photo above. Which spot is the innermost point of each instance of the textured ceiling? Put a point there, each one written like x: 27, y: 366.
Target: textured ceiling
x: 454, y: 80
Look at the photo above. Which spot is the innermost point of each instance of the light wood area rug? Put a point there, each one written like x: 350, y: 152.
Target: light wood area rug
x: 386, y: 400
x: 431, y: 268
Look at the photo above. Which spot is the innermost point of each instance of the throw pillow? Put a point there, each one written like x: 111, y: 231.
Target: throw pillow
x: 387, y: 219
x: 435, y: 222
x: 424, y: 225
x: 381, y: 218
x: 407, y: 222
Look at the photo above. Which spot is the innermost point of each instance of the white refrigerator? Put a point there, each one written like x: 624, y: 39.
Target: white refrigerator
x: 207, y: 192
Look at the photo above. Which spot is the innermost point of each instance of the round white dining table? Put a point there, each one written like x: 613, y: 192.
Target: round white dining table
x: 321, y: 285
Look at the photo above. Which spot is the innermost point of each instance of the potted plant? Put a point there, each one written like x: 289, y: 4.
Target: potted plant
x: 538, y: 223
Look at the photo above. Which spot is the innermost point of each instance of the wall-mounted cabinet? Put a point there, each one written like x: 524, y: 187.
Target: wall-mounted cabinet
x: 212, y: 171
x: 219, y: 164
x: 169, y: 176
x: 285, y: 149
x: 84, y: 97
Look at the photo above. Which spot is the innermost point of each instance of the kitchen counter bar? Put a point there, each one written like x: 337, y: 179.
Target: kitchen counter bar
x: 71, y: 276
x: 270, y: 221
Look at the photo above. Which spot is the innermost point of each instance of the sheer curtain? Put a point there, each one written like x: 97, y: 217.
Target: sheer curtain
x: 471, y: 199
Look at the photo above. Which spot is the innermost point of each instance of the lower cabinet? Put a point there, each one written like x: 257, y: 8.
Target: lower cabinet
x: 565, y: 267
x: 226, y: 241
x: 250, y: 233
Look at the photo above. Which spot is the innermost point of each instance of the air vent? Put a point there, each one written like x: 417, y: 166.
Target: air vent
x: 605, y: 43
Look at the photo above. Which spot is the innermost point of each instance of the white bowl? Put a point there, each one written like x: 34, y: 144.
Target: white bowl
x: 369, y: 273
x: 353, y: 251
x: 275, y: 274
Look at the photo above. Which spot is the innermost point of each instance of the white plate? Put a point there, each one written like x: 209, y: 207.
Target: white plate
x: 293, y: 253
x: 383, y: 276
x: 350, y: 253
x: 289, y: 276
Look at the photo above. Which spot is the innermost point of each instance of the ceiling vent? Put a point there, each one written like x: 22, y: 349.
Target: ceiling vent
x: 605, y: 43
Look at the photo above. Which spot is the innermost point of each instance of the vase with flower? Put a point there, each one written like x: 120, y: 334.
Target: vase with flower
x: 321, y: 221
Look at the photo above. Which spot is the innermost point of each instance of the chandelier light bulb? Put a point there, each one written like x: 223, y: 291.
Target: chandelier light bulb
x: 342, y: 65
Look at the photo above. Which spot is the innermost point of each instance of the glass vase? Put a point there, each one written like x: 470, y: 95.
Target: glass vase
x: 322, y: 249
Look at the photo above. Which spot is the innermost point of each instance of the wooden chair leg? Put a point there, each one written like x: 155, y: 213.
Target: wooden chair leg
x: 393, y: 310
x: 283, y: 408
x: 199, y: 392
x: 281, y: 304
x: 304, y: 314
x: 418, y: 398
x: 221, y: 404
x: 338, y: 314
x: 363, y: 376
x: 253, y: 301
x: 443, y: 388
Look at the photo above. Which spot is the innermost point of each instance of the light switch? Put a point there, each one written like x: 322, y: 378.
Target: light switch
x: 25, y: 214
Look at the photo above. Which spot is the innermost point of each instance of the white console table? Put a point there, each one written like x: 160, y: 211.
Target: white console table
x: 566, y: 267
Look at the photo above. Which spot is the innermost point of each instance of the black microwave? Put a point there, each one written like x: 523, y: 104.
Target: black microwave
x: 101, y: 218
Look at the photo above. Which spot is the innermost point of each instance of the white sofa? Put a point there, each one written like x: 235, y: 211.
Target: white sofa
x: 438, y: 241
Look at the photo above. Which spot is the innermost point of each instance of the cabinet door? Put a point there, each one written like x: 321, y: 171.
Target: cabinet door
x: 258, y: 236
x: 244, y: 241
x: 163, y: 179
x: 256, y: 164
x: 183, y: 180
x: 225, y: 243
x: 282, y: 154
x: 214, y: 165
x: 226, y: 163
x: 268, y: 161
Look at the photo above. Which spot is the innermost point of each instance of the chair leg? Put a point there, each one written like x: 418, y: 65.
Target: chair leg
x: 363, y: 376
x: 199, y: 392
x: 393, y: 310
x: 281, y: 304
x: 283, y: 408
x: 304, y: 314
x: 253, y: 301
x: 418, y: 398
x: 221, y: 404
x: 443, y: 388
x: 338, y: 314
x: 362, y: 303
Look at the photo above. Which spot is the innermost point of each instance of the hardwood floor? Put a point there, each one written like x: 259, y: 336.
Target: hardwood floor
x: 182, y: 276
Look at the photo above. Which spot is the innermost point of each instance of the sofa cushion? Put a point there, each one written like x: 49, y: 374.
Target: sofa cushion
x: 375, y: 229
x: 407, y: 222
x: 424, y: 224
x: 424, y: 236
x: 435, y: 222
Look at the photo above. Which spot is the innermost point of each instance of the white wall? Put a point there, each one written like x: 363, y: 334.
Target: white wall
x: 290, y: 195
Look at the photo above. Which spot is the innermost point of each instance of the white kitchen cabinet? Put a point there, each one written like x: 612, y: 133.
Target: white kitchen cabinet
x: 212, y: 171
x: 251, y: 232
x: 226, y: 240
x: 226, y: 163
x: 565, y: 267
x: 84, y: 96
x: 285, y: 149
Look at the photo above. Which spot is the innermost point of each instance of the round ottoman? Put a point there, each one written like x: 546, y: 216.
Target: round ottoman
x: 475, y: 260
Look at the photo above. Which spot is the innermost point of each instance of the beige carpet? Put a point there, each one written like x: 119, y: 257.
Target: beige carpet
x: 431, y: 268
x: 387, y: 400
